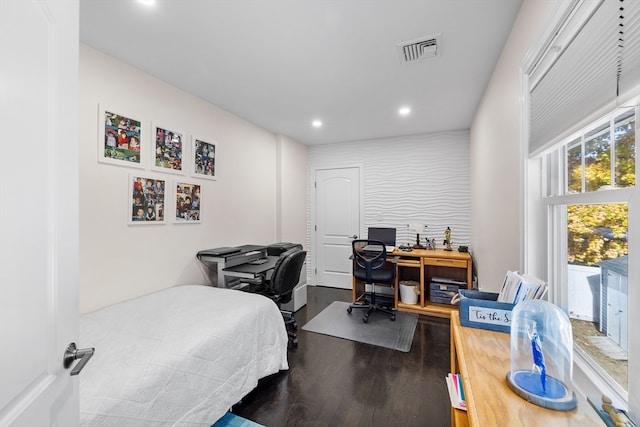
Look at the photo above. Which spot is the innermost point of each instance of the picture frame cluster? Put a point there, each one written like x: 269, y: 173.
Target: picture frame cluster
x: 124, y: 140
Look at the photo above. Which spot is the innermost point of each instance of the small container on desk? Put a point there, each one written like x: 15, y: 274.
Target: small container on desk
x: 482, y: 310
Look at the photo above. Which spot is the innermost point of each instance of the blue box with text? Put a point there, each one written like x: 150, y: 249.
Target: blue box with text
x: 482, y: 310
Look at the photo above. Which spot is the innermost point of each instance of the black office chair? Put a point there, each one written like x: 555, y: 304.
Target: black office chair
x: 370, y: 266
x: 279, y: 287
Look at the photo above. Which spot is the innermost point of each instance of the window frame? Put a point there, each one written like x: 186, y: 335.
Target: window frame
x: 547, y: 197
x: 569, y: 20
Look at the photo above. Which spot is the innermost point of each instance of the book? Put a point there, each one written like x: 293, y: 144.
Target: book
x: 460, y: 388
x: 456, y: 391
x: 519, y: 287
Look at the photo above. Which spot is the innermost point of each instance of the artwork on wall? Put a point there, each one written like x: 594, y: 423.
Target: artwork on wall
x: 167, y: 150
x: 146, y: 200
x: 204, y: 159
x: 188, y: 202
x: 120, y: 139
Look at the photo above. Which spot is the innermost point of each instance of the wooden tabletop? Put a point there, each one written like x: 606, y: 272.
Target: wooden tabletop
x: 433, y: 253
x: 484, y: 359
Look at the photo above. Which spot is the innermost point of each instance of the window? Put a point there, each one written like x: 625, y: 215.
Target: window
x: 596, y: 272
x: 625, y: 150
x: 593, y: 175
x: 594, y: 162
x: 580, y: 200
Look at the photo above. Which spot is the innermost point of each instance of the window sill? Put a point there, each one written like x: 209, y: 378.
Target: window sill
x: 590, y: 381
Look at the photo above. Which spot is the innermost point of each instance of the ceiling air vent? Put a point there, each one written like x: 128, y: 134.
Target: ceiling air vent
x: 419, y: 49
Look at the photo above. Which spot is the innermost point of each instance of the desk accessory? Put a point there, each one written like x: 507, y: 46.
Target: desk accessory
x: 447, y: 239
x: 542, y: 355
x: 463, y: 248
x: 418, y: 229
x: 482, y: 310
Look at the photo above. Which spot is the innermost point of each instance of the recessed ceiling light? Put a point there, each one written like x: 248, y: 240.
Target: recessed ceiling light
x: 147, y: 2
x: 316, y: 123
x: 404, y: 111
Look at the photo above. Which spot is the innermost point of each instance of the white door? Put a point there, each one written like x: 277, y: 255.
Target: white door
x: 337, y: 214
x: 38, y: 211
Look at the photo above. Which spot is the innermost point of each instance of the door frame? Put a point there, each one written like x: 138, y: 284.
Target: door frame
x: 313, y: 210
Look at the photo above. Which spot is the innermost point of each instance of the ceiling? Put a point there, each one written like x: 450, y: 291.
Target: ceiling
x: 283, y: 63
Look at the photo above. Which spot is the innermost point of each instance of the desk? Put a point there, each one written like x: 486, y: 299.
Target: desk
x: 219, y: 259
x: 421, y: 265
x: 228, y: 267
x: 483, y: 358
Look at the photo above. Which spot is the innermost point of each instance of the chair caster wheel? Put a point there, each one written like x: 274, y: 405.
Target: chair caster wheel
x: 365, y: 319
x: 393, y: 318
x: 349, y: 310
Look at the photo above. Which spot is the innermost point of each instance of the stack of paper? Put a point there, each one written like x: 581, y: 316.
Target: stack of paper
x: 519, y: 287
x: 456, y: 391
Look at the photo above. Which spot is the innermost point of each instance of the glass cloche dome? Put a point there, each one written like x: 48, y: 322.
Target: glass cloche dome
x: 542, y: 355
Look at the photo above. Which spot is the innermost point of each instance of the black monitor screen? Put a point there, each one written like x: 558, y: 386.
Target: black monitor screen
x: 384, y: 234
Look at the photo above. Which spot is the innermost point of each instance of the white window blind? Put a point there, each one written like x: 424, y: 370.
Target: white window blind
x: 592, y: 61
x: 630, y: 51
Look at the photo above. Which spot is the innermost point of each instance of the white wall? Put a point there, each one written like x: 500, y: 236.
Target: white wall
x: 411, y: 179
x: 496, y: 158
x: 292, y: 191
x: 120, y: 261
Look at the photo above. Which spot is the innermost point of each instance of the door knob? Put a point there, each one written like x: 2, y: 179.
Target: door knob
x: 73, y: 353
x: 355, y: 236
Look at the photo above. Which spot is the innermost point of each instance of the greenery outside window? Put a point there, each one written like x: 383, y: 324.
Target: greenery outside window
x: 603, y: 157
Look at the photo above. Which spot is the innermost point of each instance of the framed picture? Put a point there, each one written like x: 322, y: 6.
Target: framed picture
x: 120, y: 139
x: 204, y: 158
x: 146, y: 200
x: 188, y: 202
x: 167, y: 149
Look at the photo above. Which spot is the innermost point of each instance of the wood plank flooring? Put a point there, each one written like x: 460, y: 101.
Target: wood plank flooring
x: 337, y: 382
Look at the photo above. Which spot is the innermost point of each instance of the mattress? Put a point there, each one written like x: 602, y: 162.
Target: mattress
x: 178, y: 357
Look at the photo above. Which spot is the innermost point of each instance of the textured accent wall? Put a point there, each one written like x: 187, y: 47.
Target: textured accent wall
x: 413, y: 179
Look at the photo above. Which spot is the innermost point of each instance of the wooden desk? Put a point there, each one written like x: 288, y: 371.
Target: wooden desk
x: 483, y: 359
x: 421, y: 265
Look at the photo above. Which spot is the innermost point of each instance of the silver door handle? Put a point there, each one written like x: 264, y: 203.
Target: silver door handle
x: 73, y: 353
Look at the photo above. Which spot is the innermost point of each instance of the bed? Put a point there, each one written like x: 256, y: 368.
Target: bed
x: 178, y: 357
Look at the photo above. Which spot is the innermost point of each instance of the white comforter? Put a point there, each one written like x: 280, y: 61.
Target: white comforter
x: 178, y: 357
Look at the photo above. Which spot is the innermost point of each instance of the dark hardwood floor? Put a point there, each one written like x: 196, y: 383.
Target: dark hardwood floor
x: 337, y: 382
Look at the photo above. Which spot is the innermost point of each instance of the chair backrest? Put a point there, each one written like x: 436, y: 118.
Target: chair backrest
x: 370, y: 262
x: 286, y: 273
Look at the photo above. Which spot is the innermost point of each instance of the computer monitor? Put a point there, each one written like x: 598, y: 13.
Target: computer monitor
x: 386, y: 235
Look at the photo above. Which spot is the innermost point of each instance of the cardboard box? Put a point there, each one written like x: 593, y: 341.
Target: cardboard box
x: 482, y: 310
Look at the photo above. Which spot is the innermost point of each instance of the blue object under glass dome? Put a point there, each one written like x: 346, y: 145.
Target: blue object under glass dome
x: 542, y: 355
